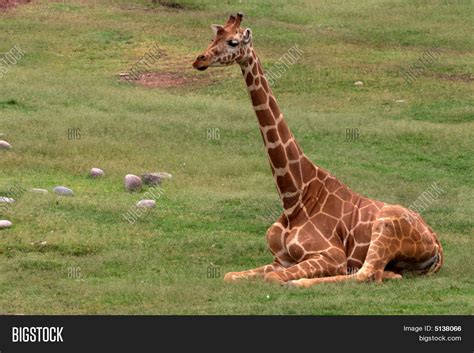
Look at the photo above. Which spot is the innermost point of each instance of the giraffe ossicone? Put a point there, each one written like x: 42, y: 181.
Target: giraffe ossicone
x: 326, y: 229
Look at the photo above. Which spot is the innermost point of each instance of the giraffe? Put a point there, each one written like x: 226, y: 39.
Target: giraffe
x: 327, y: 232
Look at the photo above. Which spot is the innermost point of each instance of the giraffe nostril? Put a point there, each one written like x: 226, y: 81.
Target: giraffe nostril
x: 201, y: 57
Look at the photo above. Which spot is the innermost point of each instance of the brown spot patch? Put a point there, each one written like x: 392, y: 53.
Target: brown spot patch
x: 308, y: 169
x: 285, y: 183
x: 277, y: 156
x: 265, y: 117
x: 272, y: 135
x: 258, y: 97
x: 292, y: 152
x: 296, y: 251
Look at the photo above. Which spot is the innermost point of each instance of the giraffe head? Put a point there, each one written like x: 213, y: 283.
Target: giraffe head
x: 231, y: 44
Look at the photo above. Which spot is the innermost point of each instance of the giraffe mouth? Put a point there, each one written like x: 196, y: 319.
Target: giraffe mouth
x: 200, y: 64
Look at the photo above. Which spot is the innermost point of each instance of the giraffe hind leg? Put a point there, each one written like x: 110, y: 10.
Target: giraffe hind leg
x: 399, y: 243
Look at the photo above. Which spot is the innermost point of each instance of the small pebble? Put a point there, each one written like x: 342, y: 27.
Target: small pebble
x: 39, y: 191
x: 359, y: 83
x: 63, y: 191
x: 400, y: 101
x: 6, y: 200
x: 96, y: 173
x: 146, y: 203
x: 44, y: 242
x: 4, y: 145
x: 132, y: 183
x: 4, y: 224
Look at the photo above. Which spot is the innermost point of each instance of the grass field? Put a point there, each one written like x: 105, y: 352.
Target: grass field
x: 221, y: 200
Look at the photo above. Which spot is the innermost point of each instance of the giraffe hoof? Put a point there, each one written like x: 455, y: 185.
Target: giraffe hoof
x: 391, y: 275
x: 273, y: 277
x: 233, y: 277
x: 292, y: 284
x: 298, y: 283
x: 230, y: 277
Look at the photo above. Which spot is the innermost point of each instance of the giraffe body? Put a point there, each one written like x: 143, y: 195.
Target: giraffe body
x: 327, y: 232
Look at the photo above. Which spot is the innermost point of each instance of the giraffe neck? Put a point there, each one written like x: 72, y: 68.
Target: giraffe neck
x: 291, y: 169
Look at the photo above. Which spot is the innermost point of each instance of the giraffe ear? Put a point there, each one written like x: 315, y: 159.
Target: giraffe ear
x: 216, y: 28
x: 247, y: 37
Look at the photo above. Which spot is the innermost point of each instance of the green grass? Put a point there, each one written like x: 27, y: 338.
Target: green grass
x: 219, y: 204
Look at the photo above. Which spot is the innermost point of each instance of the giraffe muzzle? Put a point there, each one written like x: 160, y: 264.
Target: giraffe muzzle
x: 201, y: 63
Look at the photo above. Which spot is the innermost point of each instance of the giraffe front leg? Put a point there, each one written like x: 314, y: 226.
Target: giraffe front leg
x: 275, y: 240
x: 258, y: 272
x: 309, y: 282
x: 320, y: 265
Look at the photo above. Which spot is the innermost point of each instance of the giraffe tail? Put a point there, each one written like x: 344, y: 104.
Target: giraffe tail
x: 439, y: 256
x: 434, y: 264
x: 427, y: 267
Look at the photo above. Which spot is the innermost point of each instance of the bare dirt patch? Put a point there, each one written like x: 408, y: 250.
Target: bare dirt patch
x: 455, y: 77
x: 169, y: 4
x: 163, y: 79
x: 6, y: 4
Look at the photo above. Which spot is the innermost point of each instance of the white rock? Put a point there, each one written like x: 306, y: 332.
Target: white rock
x: 164, y: 175
x: 400, y: 101
x: 4, y: 224
x: 132, y: 183
x: 6, y: 200
x: 39, y: 191
x: 96, y: 173
x: 359, y: 83
x: 146, y: 203
x: 64, y: 191
x: 4, y: 145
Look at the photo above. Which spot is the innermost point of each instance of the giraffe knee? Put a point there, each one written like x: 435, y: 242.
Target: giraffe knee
x: 275, y: 239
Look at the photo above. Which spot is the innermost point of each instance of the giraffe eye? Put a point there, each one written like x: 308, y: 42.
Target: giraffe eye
x: 233, y: 42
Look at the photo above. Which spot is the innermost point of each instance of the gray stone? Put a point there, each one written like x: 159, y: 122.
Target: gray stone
x: 132, y: 183
x: 39, y: 191
x: 6, y: 200
x: 4, y: 145
x: 63, y: 191
x: 4, y: 224
x: 153, y: 179
x: 146, y: 203
x: 96, y: 173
